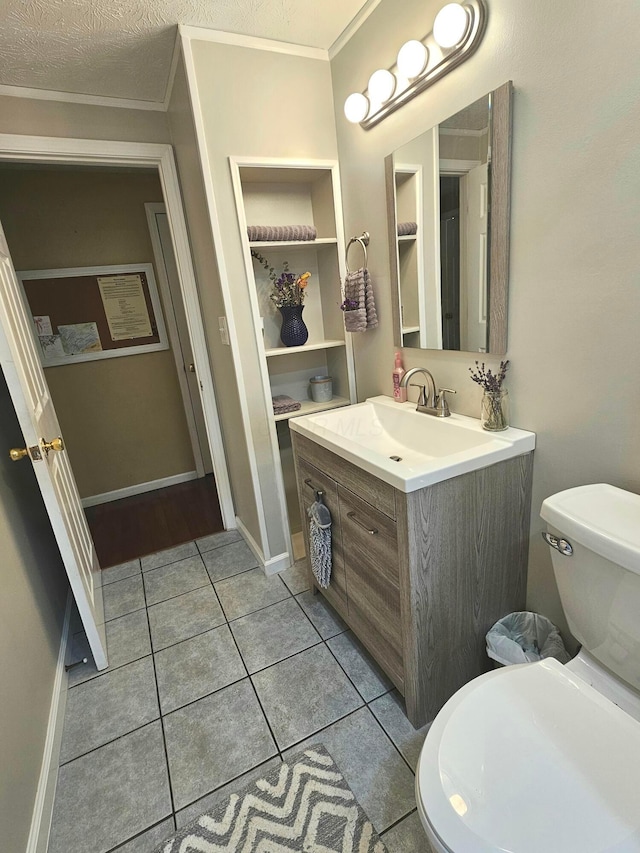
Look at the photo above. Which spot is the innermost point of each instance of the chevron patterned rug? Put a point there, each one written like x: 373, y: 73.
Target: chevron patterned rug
x: 304, y: 805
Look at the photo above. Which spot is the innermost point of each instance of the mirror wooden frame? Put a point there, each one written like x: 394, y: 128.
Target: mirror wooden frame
x: 498, y: 269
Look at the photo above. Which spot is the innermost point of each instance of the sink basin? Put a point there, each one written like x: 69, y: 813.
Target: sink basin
x: 408, y: 449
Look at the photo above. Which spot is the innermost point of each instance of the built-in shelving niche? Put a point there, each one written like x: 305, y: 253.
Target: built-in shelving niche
x: 280, y: 193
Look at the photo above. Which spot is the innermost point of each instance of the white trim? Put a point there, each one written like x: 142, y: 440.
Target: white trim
x: 189, y: 33
x: 225, y: 285
x: 271, y: 566
x: 456, y: 167
x: 77, y: 98
x: 175, y: 58
x: 416, y: 170
x: 43, y: 806
x: 139, y: 488
x: 353, y: 27
x: 69, y: 150
x: 460, y: 131
x: 152, y: 209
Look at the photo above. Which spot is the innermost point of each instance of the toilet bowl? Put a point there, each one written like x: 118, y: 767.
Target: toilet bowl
x: 541, y: 757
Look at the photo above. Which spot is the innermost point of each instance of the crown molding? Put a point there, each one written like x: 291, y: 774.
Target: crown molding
x: 190, y: 33
x: 351, y: 28
x: 76, y: 98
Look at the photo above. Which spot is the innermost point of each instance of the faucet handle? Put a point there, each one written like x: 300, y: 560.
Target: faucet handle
x: 442, y: 405
x: 422, y: 397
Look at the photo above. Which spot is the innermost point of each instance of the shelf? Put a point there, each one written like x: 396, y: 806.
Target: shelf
x: 304, y: 348
x: 407, y: 330
x: 407, y: 238
x: 295, y: 244
x: 309, y: 408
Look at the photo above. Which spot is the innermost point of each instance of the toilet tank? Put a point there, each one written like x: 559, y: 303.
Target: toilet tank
x: 599, y: 581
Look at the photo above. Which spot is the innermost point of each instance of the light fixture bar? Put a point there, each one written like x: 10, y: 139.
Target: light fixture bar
x: 440, y: 60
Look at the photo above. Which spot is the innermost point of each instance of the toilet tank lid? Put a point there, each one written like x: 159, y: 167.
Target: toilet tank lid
x: 600, y: 517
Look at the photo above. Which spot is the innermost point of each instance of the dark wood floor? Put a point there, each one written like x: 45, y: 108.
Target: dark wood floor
x: 143, y: 524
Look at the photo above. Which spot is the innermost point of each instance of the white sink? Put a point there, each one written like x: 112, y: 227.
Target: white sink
x: 428, y: 449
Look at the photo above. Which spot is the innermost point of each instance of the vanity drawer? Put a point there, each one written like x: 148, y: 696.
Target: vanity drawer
x: 377, y: 493
x: 311, y: 479
x: 370, y: 546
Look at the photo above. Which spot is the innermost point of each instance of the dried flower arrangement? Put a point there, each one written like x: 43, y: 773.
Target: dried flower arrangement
x: 494, y: 410
x: 288, y: 288
x: 491, y: 382
x: 349, y: 305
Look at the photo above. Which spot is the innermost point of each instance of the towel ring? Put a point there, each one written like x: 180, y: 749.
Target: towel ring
x: 363, y: 239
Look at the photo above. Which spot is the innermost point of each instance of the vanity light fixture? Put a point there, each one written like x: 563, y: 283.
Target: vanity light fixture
x: 457, y: 31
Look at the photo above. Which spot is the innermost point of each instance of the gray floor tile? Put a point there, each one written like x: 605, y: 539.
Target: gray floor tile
x: 193, y: 812
x: 123, y: 597
x: 108, y: 707
x: 367, y: 676
x: 248, y: 592
x: 377, y: 775
x: 149, y: 841
x: 120, y: 572
x: 170, y: 555
x: 390, y: 713
x: 407, y: 837
x: 322, y: 614
x: 215, y: 740
x: 303, y: 694
x: 174, y: 579
x: 127, y: 640
x: 229, y: 560
x: 184, y: 616
x: 112, y: 794
x: 217, y: 540
x: 193, y: 668
x: 272, y: 634
x: 297, y: 577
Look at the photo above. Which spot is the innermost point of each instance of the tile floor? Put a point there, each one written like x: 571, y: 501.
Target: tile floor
x: 216, y: 672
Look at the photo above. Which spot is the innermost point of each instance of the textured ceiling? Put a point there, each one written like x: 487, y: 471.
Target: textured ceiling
x: 123, y: 48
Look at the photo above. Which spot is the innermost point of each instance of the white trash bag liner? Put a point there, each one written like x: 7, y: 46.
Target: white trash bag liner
x: 525, y: 637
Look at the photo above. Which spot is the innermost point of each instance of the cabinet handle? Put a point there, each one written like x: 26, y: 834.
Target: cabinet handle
x: 310, y: 484
x: 352, y: 516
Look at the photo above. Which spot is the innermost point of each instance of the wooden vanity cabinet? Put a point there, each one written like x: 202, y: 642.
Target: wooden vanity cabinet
x: 421, y: 577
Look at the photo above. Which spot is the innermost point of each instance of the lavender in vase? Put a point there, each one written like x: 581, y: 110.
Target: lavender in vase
x: 494, y: 413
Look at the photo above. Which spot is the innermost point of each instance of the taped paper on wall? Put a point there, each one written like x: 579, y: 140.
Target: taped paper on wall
x: 51, y: 347
x: 43, y: 325
x: 125, y: 306
x: 80, y: 338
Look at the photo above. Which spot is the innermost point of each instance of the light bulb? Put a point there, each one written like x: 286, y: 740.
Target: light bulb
x: 356, y: 107
x: 381, y: 86
x: 412, y: 58
x: 450, y: 25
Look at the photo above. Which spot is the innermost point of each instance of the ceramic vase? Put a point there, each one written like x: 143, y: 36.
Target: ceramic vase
x: 293, y: 333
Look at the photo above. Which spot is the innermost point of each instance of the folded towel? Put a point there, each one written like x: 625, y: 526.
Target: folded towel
x: 280, y: 233
x: 358, y: 288
x: 282, y: 404
x: 406, y: 228
x: 320, y: 542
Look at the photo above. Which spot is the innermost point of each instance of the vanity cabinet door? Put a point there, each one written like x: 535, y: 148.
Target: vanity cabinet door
x: 310, y: 479
x: 371, y: 559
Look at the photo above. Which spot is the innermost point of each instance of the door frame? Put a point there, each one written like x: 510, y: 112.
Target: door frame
x: 49, y: 149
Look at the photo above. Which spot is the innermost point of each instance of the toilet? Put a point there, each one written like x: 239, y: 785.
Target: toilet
x: 541, y: 757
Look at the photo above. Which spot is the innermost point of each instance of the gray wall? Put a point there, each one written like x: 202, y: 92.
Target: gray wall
x: 574, y: 289
x: 32, y: 603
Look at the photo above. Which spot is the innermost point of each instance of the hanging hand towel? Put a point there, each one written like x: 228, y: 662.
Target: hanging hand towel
x: 320, y: 542
x: 358, y: 289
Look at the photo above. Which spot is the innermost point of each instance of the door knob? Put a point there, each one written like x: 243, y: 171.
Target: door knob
x: 192, y: 368
x: 54, y: 444
x: 18, y: 453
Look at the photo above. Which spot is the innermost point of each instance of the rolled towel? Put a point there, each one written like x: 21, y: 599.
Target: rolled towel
x: 407, y: 228
x: 280, y: 233
x: 283, y: 404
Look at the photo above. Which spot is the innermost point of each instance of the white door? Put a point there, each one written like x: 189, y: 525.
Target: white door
x: 475, y: 273
x: 20, y: 363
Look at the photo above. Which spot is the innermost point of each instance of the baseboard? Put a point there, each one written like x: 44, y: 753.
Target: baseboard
x: 43, y: 806
x: 278, y: 563
x: 274, y: 564
x: 139, y: 489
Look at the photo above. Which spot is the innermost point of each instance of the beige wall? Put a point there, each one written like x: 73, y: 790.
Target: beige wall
x: 122, y: 418
x: 574, y: 294
x: 31, y: 615
x: 261, y: 104
x: 206, y: 267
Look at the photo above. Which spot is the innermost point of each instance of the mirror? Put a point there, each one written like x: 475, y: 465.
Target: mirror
x: 448, y: 213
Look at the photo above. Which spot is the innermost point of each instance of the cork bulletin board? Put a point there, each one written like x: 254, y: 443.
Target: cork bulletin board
x: 89, y: 313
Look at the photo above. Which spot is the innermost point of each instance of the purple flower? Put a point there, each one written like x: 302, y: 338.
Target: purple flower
x: 485, y: 377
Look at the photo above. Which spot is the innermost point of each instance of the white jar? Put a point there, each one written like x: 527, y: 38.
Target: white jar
x: 321, y: 389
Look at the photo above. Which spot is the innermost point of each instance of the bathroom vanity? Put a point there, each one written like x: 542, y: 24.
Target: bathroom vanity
x: 429, y: 551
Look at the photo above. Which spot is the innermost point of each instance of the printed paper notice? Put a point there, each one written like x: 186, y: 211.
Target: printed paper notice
x: 80, y: 338
x: 51, y: 347
x: 125, y: 306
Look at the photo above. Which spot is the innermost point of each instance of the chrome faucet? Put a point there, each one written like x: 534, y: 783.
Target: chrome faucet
x: 432, y: 403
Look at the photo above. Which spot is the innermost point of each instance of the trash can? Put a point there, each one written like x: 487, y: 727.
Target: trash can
x: 525, y: 637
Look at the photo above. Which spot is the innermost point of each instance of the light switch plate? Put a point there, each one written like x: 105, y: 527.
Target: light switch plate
x: 224, y: 331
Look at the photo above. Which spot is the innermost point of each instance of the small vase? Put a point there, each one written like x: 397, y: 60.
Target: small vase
x: 293, y: 333
x: 495, y: 410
